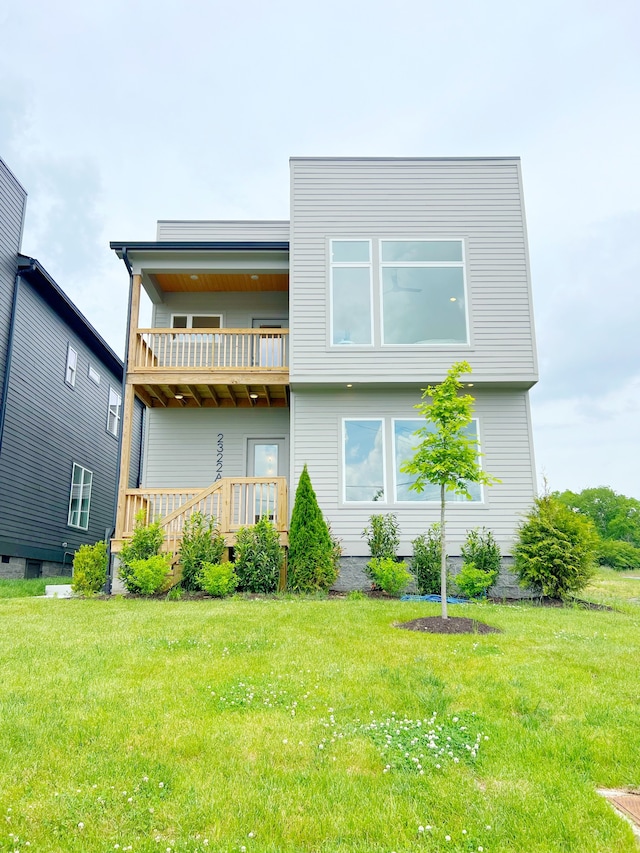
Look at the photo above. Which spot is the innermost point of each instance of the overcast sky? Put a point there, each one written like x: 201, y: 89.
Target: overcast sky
x: 115, y: 114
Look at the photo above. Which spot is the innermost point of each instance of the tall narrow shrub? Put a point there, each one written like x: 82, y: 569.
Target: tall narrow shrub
x: 202, y: 543
x: 311, y: 564
x: 146, y: 542
x: 258, y: 557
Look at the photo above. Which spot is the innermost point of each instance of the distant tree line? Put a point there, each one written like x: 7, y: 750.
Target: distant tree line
x: 617, y: 521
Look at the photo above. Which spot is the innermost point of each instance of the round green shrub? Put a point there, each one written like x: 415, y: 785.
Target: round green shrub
x: 150, y: 574
x: 474, y: 582
x: 146, y: 542
x: 218, y: 579
x: 555, y: 550
x: 90, y: 568
x: 389, y: 575
x: 382, y: 535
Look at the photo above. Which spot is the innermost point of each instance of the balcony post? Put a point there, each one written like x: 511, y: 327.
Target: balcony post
x: 127, y: 407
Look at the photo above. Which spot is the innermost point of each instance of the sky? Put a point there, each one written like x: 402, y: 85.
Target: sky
x: 116, y: 114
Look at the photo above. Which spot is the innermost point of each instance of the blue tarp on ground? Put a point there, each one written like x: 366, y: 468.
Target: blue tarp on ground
x: 433, y: 598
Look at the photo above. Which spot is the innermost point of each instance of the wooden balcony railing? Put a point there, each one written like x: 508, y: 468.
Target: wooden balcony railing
x: 233, y: 502
x: 256, y: 350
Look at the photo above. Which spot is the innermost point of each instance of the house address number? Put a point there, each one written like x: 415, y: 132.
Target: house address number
x: 219, y: 456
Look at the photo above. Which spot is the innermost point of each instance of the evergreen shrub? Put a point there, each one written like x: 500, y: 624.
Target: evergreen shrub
x: 89, y: 568
x: 474, y: 582
x: 312, y: 563
x: 258, y: 557
x: 202, y: 543
x: 382, y: 535
x: 426, y: 564
x: 555, y: 550
x: 146, y: 542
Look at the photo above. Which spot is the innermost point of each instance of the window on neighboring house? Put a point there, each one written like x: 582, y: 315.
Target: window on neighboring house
x: 113, y: 415
x: 363, y: 461
x: 80, y: 497
x: 94, y: 376
x: 423, y: 292
x: 351, y: 282
x: 405, y: 443
x: 72, y: 366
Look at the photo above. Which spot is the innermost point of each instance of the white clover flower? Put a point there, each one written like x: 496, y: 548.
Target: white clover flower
x: 447, y: 838
x: 251, y: 835
x: 421, y: 829
x: 81, y: 825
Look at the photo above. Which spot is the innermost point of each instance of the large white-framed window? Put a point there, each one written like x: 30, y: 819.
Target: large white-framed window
x: 196, y: 321
x: 404, y: 446
x: 114, y: 412
x: 423, y: 292
x: 363, y: 460
x: 351, y: 289
x: 72, y: 366
x: 80, y: 497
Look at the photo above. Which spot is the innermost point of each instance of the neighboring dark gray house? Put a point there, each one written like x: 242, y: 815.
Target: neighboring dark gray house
x: 60, y: 412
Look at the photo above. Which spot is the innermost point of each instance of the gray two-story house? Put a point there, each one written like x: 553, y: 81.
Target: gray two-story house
x: 60, y: 413
x: 275, y: 344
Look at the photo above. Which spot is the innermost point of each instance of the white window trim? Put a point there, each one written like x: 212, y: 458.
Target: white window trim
x: 346, y: 265
x: 384, y: 500
x: 117, y: 413
x: 420, y: 422
x: 93, y: 375
x: 190, y: 315
x: 421, y: 264
x: 69, y: 522
x: 71, y: 379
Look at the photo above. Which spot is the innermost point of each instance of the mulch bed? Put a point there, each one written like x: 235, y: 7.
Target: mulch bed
x: 452, y: 625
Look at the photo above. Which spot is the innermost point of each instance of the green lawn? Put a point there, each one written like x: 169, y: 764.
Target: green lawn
x: 20, y: 588
x: 203, y: 725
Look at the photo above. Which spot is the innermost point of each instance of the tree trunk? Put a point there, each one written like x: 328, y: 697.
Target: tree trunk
x: 443, y: 557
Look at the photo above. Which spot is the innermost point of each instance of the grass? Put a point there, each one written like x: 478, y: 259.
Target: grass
x: 20, y: 588
x: 615, y: 589
x: 149, y: 725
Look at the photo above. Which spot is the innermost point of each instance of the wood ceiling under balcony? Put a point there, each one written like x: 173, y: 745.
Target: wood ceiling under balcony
x: 214, y: 396
x: 221, y: 282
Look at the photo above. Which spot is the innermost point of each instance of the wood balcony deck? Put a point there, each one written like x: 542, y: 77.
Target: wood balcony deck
x: 234, y: 502
x: 211, y: 367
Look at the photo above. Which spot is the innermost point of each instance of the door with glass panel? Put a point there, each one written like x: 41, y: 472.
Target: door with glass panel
x: 269, y: 347
x: 266, y: 457
x: 195, y: 349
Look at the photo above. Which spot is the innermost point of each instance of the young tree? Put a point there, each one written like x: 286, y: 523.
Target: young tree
x: 446, y: 456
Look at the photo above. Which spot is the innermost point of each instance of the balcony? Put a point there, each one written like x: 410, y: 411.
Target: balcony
x: 211, y: 367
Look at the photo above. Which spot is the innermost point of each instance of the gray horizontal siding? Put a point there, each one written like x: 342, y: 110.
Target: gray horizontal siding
x: 505, y: 442
x: 48, y: 427
x: 12, y: 206
x: 169, y: 230
x: 181, y: 444
x: 479, y: 201
x: 237, y: 309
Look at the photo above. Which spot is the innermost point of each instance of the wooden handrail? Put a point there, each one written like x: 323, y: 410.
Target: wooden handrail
x: 256, y: 350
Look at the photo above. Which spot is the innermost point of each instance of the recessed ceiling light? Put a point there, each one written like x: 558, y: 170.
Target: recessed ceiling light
x: 470, y: 385
x: 194, y: 277
x: 350, y: 385
x: 452, y: 299
x: 255, y: 277
x: 178, y: 396
x: 253, y: 396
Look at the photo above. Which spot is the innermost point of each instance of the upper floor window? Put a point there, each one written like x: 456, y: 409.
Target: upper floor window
x: 80, y: 497
x: 72, y: 366
x: 113, y: 415
x: 94, y: 376
x: 423, y: 292
x: 351, y: 296
x: 196, y: 321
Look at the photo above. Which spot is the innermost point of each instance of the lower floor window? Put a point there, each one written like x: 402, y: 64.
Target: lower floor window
x: 364, y: 470
x: 80, y: 497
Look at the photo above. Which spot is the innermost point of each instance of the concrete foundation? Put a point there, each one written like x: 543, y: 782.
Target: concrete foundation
x: 16, y: 568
